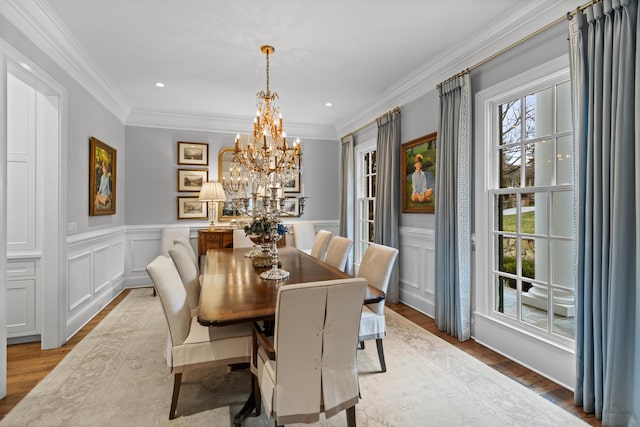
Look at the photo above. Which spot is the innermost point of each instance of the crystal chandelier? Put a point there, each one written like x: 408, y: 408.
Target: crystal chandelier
x: 267, y: 153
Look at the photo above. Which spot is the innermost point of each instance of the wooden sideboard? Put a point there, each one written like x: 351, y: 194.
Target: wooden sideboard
x: 221, y: 238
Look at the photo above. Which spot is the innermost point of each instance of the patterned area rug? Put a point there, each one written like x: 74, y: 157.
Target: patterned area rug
x: 117, y: 377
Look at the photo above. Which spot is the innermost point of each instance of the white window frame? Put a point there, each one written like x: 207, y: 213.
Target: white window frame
x: 552, y: 356
x: 361, y: 150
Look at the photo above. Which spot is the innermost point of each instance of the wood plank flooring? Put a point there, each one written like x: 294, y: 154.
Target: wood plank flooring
x: 27, y: 364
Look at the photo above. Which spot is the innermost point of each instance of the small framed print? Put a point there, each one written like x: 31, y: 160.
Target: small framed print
x: 290, y: 207
x: 193, y: 153
x: 190, y: 207
x: 192, y: 179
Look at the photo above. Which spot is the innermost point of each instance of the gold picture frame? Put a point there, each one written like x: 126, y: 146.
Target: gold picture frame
x: 420, y: 151
x: 102, y: 178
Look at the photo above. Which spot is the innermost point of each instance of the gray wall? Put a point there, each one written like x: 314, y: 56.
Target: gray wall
x: 86, y: 117
x: 151, y: 158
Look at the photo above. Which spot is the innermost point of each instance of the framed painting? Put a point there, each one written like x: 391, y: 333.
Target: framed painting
x: 190, y: 207
x: 192, y: 179
x: 418, y: 159
x: 102, y: 178
x: 290, y: 207
x: 193, y: 153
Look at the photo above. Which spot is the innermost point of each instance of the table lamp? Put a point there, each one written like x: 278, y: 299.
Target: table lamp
x: 212, y: 192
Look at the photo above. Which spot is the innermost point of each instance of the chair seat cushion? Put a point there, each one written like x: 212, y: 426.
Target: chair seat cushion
x: 372, y: 325
x: 229, y: 344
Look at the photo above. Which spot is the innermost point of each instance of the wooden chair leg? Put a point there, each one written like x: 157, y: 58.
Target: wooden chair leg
x: 381, y: 354
x: 177, y: 381
x: 154, y: 291
x: 361, y: 345
x: 351, y: 416
x: 256, y: 393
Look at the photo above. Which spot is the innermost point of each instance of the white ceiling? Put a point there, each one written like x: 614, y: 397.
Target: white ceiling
x: 363, y: 56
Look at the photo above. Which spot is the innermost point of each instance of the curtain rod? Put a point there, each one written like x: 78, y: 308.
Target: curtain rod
x: 366, y: 125
x: 522, y: 40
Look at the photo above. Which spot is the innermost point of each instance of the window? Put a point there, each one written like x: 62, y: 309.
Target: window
x: 366, y: 197
x: 531, y: 202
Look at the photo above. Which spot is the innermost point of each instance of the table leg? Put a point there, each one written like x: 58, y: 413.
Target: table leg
x: 249, y: 405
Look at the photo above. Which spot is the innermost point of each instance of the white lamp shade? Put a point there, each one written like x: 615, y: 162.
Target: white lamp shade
x: 212, y: 191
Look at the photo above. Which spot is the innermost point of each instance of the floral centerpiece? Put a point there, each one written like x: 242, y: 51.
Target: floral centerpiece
x: 259, y: 231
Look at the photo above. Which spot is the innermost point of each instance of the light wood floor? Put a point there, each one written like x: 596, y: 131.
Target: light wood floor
x: 27, y: 364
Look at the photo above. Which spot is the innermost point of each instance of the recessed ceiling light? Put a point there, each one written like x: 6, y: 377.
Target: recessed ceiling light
x: 328, y: 104
x: 159, y: 84
x: 25, y: 66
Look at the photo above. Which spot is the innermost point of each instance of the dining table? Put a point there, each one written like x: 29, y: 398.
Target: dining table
x: 233, y: 292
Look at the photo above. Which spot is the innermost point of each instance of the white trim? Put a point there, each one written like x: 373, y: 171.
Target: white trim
x: 516, y: 24
x: 43, y: 27
x: 55, y: 175
x: 225, y: 124
x: 516, y: 341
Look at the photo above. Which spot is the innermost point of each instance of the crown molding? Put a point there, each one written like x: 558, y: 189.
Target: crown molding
x: 36, y: 20
x: 514, y: 25
x: 216, y: 123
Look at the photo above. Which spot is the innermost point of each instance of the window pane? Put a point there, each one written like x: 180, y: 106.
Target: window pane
x: 374, y: 164
x: 564, y: 164
x: 371, y: 236
x: 506, y: 215
x: 534, y: 306
x: 563, y: 107
x: 510, y: 122
x: 507, y: 253
x: 563, y: 313
x: 563, y: 265
x: 370, y: 210
x: 539, y: 114
x: 365, y: 168
x: 563, y: 213
x: 506, y: 296
x: 534, y: 267
x: 539, y: 163
x: 510, y: 161
x: 373, y: 186
x: 533, y: 213
x: 367, y: 186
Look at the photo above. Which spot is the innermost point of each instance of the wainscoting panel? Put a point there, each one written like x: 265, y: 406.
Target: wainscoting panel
x: 417, y: 263
x: 95, y: 262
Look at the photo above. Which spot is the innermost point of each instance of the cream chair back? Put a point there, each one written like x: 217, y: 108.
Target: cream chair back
x: 187, y: 244
x: 240, y: 239
x: 304, y: 233
x: 376, y: 266
x: 338, y: 252
x: 169, y: 235
x: 315, y: 337
x: 189, y: 275
x: 319, y: 248
x: 173, y: 296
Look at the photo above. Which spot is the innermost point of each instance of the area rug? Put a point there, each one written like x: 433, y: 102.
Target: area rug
x: 117, y: 376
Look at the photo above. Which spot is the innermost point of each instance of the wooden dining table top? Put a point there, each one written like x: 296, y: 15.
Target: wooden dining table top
x: 233, y: 291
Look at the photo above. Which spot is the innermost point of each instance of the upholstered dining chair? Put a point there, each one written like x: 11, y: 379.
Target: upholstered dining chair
x: 338, y: 252
x: 309, y: 365
x: 184, y: 241
x: 192, y: 343
x: 167, y: 237
x: 376, y: 266
x: 304, y: 233
x: 188, y: 274
x: 320, y: 243
x: 240, y: 239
